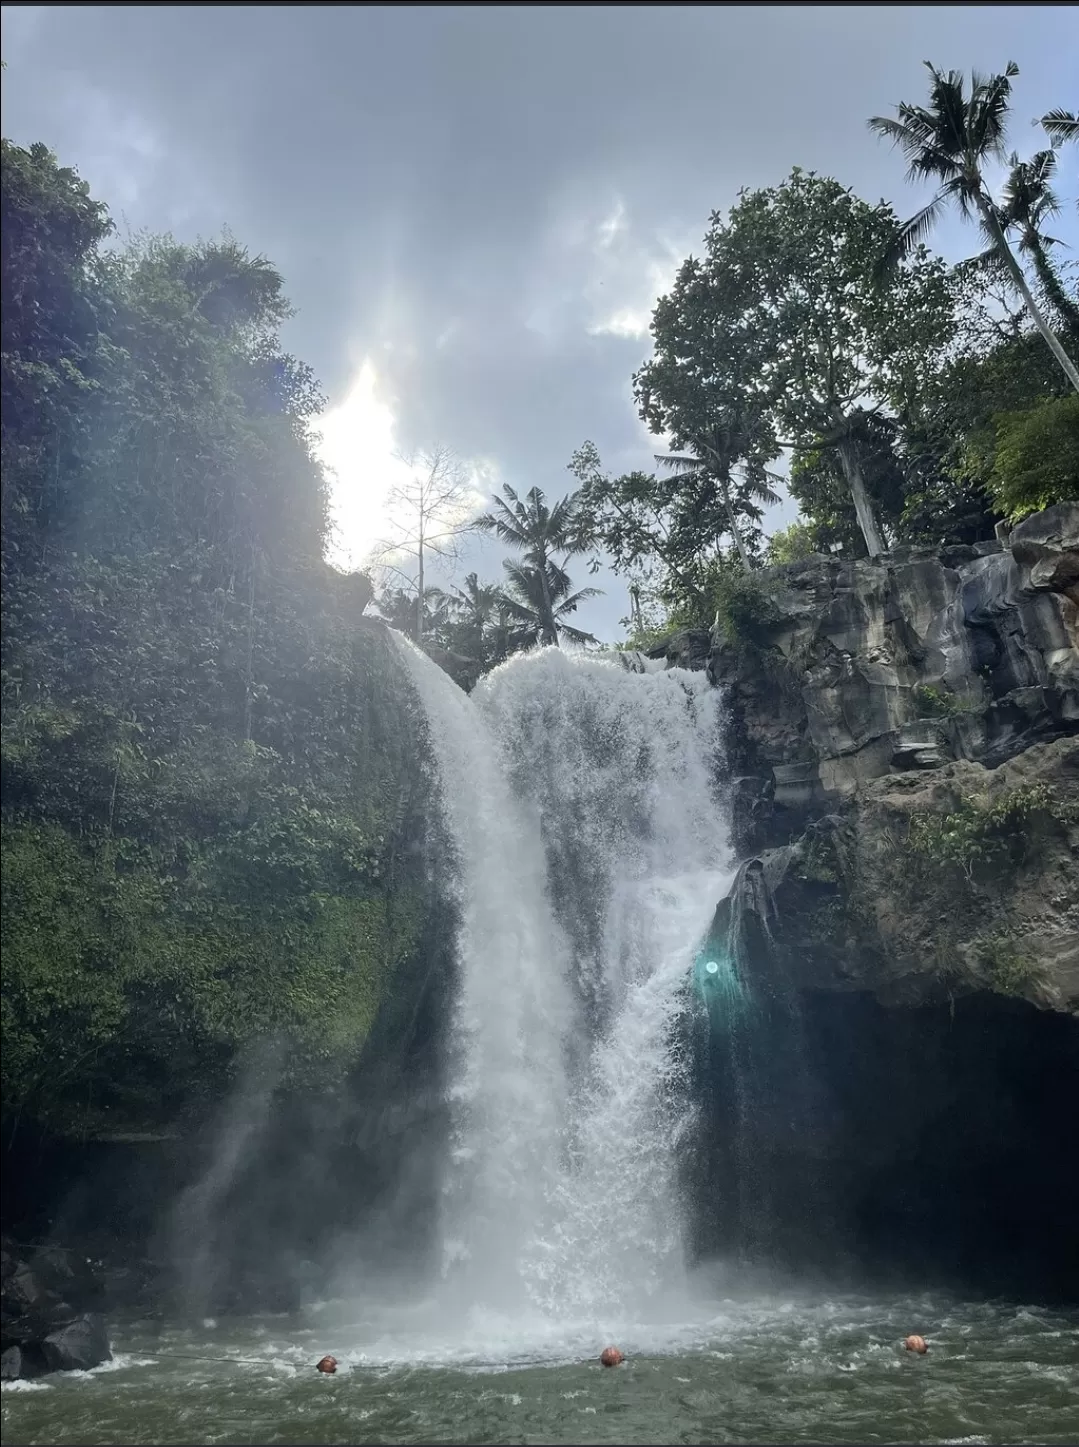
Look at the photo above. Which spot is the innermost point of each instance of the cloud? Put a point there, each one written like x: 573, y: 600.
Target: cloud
x: 482, y: 204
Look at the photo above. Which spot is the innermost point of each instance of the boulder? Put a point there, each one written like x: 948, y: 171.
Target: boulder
x: 77, y: 1347
x: 49, y: 1318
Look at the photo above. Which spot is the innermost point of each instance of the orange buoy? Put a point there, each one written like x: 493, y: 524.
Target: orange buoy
x: 327, y: 1365
x: 611, y: 1357
x: 916, y: 1344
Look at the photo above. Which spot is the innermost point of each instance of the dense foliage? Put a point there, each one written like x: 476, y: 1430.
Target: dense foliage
x: 915, y: 403
x: 207, y: 780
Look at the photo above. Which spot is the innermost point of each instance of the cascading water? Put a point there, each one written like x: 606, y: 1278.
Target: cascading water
x: 514, y: 1007
x: 590, y: 849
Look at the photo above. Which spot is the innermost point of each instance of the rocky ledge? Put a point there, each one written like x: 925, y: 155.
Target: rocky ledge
x: 50, y: 1319
x: 905, y: 785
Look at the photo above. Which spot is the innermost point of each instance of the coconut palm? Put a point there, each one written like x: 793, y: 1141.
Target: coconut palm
x: 1061, y: 126
x: 478, y: 620
x: 539, y: 532
x: 537, y: 603
x: 951, y: 140
x: 715, y: 454
x: 1027, y: 201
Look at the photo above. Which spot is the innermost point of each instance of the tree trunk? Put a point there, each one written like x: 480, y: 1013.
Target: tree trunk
x: 1067, y: 310
x: 419, y: 600
x: 725, y: 493
x: 549, y: 630
x: 852, y: 471
x: 1015, y: 271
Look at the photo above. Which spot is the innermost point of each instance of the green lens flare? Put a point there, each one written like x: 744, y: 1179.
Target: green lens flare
x: 718, y: 986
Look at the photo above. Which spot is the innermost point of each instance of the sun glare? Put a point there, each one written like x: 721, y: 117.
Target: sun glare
x: 358, y: 445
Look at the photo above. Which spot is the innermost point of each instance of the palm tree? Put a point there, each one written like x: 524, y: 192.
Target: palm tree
x: 1027, y: 202
x: 538, y: 532
x: 400, y: 608
x: 1060, y: 126
x: 537, y: 604
x: 951, y: 140
x: 478, y: 621
x: 715, y: 453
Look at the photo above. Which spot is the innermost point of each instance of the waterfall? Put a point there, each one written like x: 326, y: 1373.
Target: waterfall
x: 589, y: 850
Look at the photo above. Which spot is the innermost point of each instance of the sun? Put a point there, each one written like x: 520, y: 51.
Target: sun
x: 358, y: 445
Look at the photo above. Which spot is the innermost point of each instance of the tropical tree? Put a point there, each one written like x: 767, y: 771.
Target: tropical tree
x: 1061, y: 126
x: 397, y: 606
x: 50, y: 228
x: 1027, y: 201
x: 845, y: 352
x: 664, y: 536
x: 539, y: 532
x: 951, y: 140
x: 712, y: 462
x: 477, y: 624
x: 537, y: 602
x: 706, y: 387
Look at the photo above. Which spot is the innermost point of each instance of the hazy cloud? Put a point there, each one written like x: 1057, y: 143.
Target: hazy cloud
x: 482, y: 203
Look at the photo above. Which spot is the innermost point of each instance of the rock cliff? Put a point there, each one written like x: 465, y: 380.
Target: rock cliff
x: 905, y: 791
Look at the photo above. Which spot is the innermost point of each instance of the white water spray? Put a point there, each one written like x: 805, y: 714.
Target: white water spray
x: 590, y: 852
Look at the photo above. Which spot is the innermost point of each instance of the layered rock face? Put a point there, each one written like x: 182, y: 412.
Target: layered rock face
x: 878, y: 668
x: 892, y: 1091
x: 880, y: 701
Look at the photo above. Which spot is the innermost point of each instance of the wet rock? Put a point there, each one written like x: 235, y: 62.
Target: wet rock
x: 850, y: 906
x: 924, y: 657
x: 686, y: 648
x: 77, y: 1347
x: 464, y: 671
x: 1046, y: 549
x: 11, y: 1364
x: 48, y: 1316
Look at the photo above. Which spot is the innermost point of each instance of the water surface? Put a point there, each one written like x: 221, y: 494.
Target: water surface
x: 768, y: 1370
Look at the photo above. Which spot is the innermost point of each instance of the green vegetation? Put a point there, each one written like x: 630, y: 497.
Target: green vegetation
x: 930, y: 702
x: 959, y: 865
x: 981, y: 840
x: 790, y: 545
x: 1004, y: 966
x: 920, y: 403
x: 538, y: 594
x: 952, y: 140
x: 483, y: 623
x: 742, y: 607
x: 1034, y: 463
x: 209, y: 791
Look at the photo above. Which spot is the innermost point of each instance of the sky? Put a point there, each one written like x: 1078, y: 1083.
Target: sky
x: 475, y: 208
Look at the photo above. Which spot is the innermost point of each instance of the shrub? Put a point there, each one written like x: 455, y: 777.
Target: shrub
x: 930, y: 702
x: 1037, y: 457
x: 977, y: 837
x: 791, y: 545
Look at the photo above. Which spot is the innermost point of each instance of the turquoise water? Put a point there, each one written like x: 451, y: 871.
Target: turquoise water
x: 770, y: 1369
